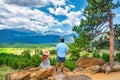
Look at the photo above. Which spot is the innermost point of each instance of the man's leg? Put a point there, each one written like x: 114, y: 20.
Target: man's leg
x: 63, y: 61
x: 57, y: 63
x: 62, y: 68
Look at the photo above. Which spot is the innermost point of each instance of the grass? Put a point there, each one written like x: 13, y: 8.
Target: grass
x: 3, y: 71
x: 25, y: 45
x: 6, y: 50
x: 20, y: 50
x: 17, y: 48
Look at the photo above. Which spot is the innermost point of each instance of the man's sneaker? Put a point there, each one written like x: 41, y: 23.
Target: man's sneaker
x: 62, y: 71
x: 55, y: 70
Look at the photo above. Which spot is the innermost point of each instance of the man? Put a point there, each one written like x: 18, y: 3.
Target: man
x: 62, y: 51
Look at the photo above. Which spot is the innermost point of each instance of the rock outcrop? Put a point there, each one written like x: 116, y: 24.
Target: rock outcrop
x: 87, y: 62
x: 95, y: 65
x: 89, y: 65
x: 31, y: 74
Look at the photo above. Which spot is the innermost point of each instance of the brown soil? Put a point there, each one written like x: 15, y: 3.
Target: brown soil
x: 101, y: 76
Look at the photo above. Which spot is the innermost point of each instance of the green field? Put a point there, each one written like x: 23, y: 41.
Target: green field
x: 18, y: 48
x: 25, y: 45
x: 6, y: 50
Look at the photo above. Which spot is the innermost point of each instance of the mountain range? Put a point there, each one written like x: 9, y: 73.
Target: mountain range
x: 23, y: 35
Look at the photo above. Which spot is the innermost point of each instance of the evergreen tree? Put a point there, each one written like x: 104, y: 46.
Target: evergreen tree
x: 99, y: 20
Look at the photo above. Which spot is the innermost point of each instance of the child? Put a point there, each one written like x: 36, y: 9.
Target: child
x: 45, y: 59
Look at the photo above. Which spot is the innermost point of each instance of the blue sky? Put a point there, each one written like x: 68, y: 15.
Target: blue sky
x: 44, y: 15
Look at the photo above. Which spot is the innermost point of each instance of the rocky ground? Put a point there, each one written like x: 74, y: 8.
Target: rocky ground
x: 98, y: 76
x: 87, y: 69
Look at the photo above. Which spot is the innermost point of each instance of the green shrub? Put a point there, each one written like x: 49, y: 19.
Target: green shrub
x: 52, y: 61
x: 26, y: 54
x: 70, y: 64
x: 106, y: 57
x: 25, y: 60
x: 117, y: 57
x: 40, y: 52
x: 35, y: 60
x: 20, y: 61
x: 84, y: 54
x: 52, y: 51
x: 1, y: 61
x: 74, y: 54
x: 96, y: 55
x: 37, y: 51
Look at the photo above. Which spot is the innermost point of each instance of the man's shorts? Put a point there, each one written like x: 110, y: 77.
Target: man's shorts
x: 61, y: 59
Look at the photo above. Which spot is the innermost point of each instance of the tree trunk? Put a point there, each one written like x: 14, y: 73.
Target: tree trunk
x: 111, y: 51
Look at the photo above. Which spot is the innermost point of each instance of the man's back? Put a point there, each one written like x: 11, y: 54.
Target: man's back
x: 61, y: 49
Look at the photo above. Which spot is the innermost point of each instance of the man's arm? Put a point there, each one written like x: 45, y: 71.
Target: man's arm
x: 56, y: 52
x: 67, y: 53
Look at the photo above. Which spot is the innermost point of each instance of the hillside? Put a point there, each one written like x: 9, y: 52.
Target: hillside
x: 22, y: 35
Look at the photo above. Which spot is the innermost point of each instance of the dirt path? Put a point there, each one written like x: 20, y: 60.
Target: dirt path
x: 101, y: 76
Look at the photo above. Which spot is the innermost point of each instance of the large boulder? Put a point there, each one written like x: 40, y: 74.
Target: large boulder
x: 87, y: 62
x: 22, y: 75
x: 44, y: 73
x: 32, y: 73
x: 107, y: 68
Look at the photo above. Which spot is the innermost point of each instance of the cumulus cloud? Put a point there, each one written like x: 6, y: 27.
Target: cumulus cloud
x: 35, y: 3
x: 59, y: 10
x: 84, y: 18
x: 118, y: 15
x: 27, y: 3
x: 73, y: 18
x: 59, y: 30
x: 82, y: 9
x: 72, y: 6
x: 58, y: 2
x: 16, y: 16
x: 18, y: 13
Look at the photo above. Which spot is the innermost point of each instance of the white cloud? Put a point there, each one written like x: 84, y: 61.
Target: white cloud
x: 20, y: 17
x: 59, y: 10
x: 51, y: 10
x: 28, y: 3
x: 59, y: 30
x: 16, y: 14
x: 118, y: 15
x: 35, y: 3
x: 84, y: 18
x: 58, y: 2
x: 72, y: 6
x: 73, y: 18
x: 82, y: 9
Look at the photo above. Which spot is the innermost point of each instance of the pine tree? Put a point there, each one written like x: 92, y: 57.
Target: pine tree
x: 99, y: 19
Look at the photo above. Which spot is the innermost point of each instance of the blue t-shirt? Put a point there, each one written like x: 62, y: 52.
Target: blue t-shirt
x: 61, y: 50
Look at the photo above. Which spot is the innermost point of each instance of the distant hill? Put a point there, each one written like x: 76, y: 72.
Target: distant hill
x: 22, y: 35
